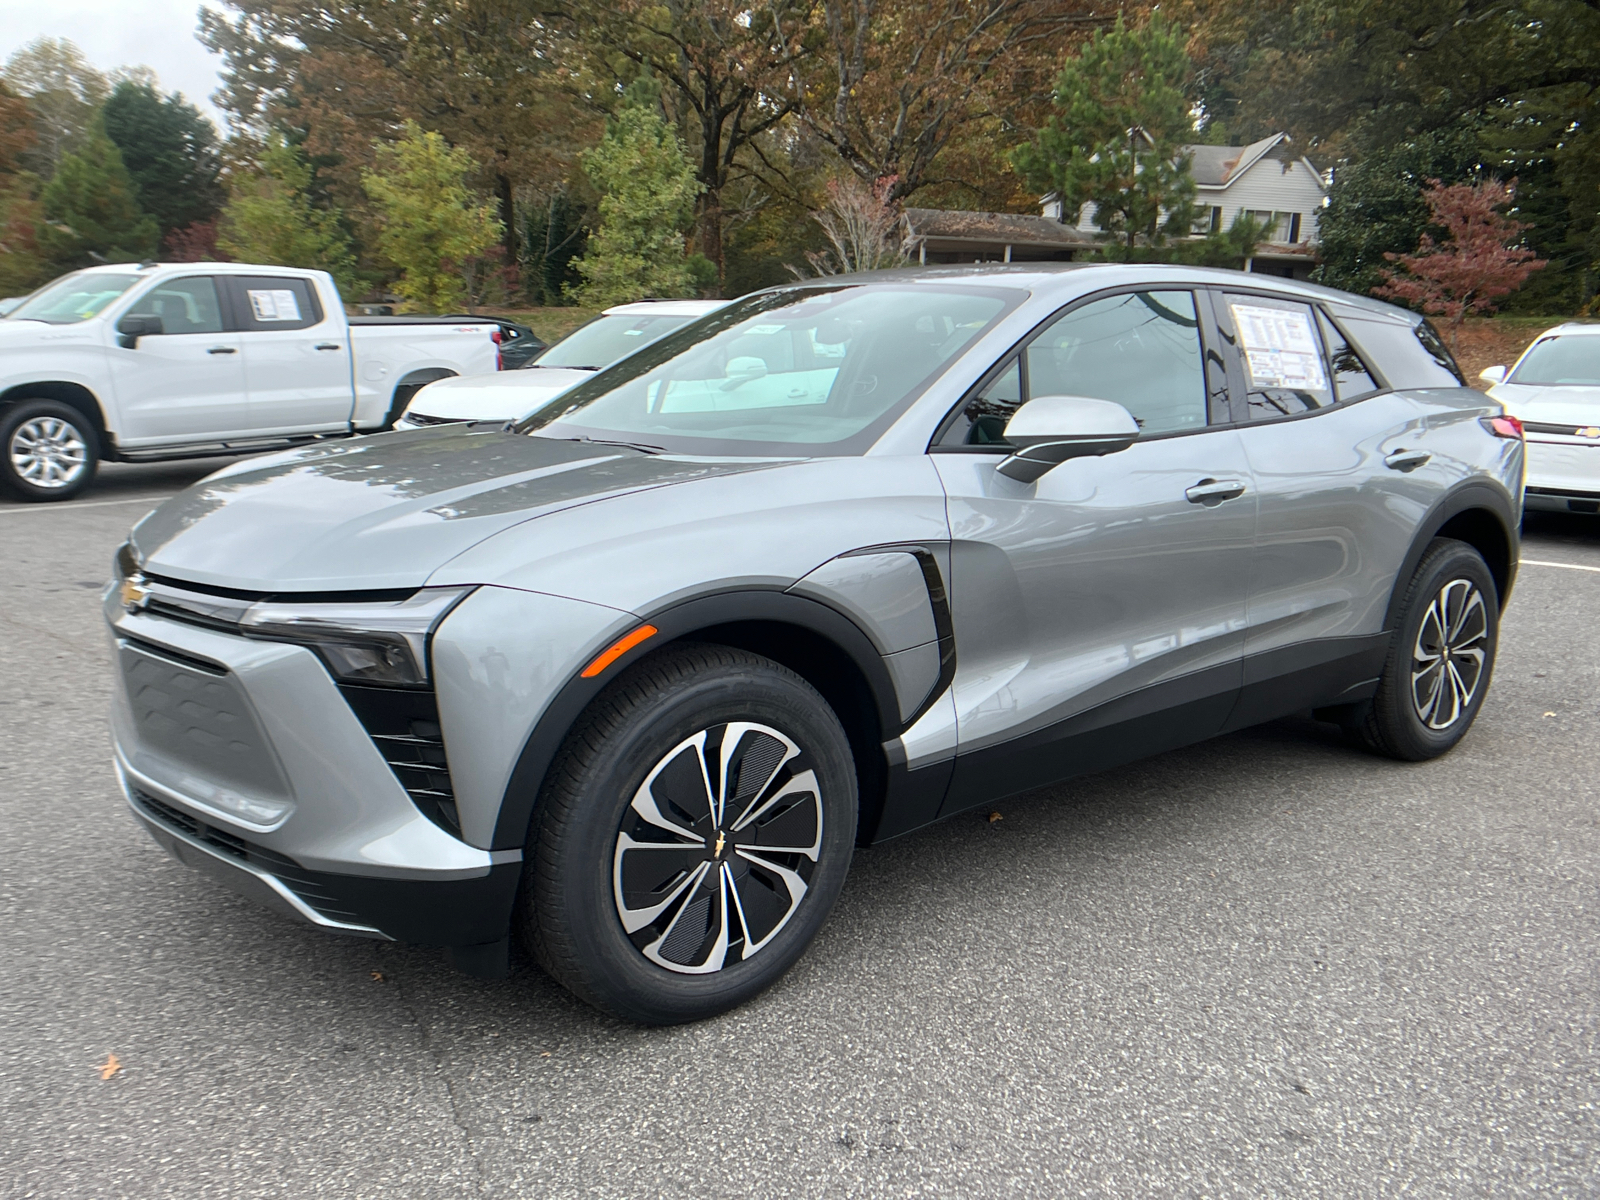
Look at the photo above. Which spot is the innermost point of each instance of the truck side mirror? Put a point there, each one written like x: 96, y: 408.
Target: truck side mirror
x: 1048, y: 430
x: 131, y: 328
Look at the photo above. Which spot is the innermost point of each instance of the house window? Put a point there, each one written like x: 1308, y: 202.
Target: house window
x: 1207, y: 220
x: 1294, y: 228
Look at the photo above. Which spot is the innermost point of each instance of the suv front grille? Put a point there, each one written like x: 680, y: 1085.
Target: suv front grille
x: 417, y: 418
x: 404, y: 725
x: 1544, y: 427
x: 288, y: 872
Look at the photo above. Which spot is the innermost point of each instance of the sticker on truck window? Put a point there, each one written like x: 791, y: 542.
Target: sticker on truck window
x: 274, y: 304
x: 1280, y: 348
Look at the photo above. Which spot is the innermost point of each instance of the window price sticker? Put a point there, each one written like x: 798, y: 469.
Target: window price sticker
x: 274, y: 305
x: 1280, y: 347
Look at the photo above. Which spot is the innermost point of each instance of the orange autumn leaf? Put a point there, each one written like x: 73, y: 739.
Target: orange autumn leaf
x: 110, y: 1067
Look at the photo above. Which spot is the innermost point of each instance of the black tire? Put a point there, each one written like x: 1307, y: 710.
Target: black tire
x: 572, y: 909
x: 1453, y: 580
x: 48, y: 450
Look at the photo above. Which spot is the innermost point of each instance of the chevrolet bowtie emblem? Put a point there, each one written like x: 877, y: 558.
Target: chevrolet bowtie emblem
x: 134, y: 594
x: 1589, y: 431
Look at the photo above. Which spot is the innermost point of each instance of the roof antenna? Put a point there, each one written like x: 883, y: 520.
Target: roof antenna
x: 148, y: 263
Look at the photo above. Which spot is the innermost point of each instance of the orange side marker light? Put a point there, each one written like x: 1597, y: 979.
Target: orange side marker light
x: 618, y: 648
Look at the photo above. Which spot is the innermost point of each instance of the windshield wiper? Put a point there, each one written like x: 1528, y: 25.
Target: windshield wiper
x: 642, y: 446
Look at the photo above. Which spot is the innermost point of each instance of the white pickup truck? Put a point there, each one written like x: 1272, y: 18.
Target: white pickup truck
x: 135, y: 363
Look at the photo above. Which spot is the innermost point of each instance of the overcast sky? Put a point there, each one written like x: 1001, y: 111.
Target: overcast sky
x: 158, y: 34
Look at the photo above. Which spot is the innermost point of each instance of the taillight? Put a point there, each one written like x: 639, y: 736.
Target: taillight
x: 498, y: 336
x: 1506, y: 427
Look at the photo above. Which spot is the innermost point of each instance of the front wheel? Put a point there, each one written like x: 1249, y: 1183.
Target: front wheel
x: 1440, y: 661
x: 47, y: 450
x: 692, y: 837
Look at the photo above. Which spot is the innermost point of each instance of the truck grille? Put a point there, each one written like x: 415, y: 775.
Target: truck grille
x: 288, y: 872
x: 404, y: 725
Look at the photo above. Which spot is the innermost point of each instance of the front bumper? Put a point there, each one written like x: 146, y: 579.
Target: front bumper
x: 244, y: 760
x: 1563, y: 474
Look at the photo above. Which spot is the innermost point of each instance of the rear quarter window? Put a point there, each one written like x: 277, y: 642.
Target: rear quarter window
x: 1406, y: 355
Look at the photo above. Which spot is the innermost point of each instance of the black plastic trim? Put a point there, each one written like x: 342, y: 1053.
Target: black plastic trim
x: 1308, y: 675
x: 680, y: 622
x: 1474, y: 494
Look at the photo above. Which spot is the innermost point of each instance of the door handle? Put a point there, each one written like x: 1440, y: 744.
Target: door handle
x: 223, y: 350
x: 1406, y: 460
x: 1212, y: 492
x: 330, y: 346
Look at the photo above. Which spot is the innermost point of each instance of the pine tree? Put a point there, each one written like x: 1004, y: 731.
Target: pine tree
x: 270, y: 219
x: 647, y: 195
x: 1122, y: 111
x: 431, y: 225
x: 170, y: 151
x: 90, y: 210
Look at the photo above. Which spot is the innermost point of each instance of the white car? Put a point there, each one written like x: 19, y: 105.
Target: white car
x: 512, y: 395
x: 1554, y: 390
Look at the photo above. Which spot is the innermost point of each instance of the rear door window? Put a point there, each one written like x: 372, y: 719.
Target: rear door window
x: 1351, y: 378
x: 268, y: 302
x: 1284, y: 363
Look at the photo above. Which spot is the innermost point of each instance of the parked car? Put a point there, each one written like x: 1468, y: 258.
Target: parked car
x: 615, y: 333
x: 1554, y: 390
x: 181, y: 360
x: 632, y: 679
x: 9, y: 305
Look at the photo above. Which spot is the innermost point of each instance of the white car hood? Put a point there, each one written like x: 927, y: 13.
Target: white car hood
x: 1550, y: 405
x: 503, y: 396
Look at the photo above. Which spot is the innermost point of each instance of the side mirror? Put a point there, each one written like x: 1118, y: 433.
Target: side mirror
x: 1493, y: 374
x: 1049, y: 430
x: 131, y: 328
x: 743, y: 370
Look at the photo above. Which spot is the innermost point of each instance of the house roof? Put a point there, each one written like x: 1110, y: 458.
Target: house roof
x: 1218, y: 166
x: 1016, y: 229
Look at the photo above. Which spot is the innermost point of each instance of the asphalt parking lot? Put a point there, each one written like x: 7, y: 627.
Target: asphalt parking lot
x: 1267, y: 965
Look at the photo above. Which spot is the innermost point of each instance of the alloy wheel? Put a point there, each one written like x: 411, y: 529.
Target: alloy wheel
x: 1451, y: 652
x: 48, y: 452
x: 716, y: 851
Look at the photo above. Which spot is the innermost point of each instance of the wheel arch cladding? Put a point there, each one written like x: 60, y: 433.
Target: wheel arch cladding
x: 1480, y: 514
x: 74, y: 395
x: 817, y: 642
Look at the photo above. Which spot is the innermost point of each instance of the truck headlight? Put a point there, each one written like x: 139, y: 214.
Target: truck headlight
x: 384, y: 643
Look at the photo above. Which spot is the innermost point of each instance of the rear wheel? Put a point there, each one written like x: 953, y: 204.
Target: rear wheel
x: 48, y: 450
x: 693, y: 836
x: 1440, y: 662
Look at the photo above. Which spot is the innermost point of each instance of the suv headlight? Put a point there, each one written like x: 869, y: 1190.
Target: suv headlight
x: 383, y: 643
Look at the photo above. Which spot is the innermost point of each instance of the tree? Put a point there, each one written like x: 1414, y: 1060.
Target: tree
x: 270, y: 219
x: 430, y: 224
x: 63, y: 92
x: 1376, y: 205
x: 861, y: 225
x: 90, y: 210
x: 1475, y: 268
x: 553, y: 237
x: 893, y: 83
x: 647, y: 195
x: 170, y: 150
x: 724, y: 64
x: 1121, y: 113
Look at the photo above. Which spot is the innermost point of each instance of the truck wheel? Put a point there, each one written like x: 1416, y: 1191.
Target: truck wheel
x: 1440, y: 661
x: 692, y: 836
x: 48, y: 450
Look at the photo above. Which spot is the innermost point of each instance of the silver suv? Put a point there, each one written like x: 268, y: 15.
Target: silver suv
x: 631, y: 680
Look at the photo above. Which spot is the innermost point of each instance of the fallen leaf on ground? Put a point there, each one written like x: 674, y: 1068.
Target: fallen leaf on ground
x: 546, y: 1054
x: 378, y: 975
x: 110, y: 1067
x: 1549, y: 714
x: 993, y: 817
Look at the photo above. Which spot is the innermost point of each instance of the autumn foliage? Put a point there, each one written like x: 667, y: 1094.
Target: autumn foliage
x: 1477, y: 264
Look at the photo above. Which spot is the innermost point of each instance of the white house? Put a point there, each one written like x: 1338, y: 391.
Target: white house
x: 1266, y: 179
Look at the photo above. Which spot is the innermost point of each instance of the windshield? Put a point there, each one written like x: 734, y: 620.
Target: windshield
x: 73, y: 298
x: 607, y: 338
x: 806, y: 370
x: 1558, y: 361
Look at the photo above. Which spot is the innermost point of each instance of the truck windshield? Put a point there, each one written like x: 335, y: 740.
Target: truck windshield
x: 73, y: 298
x: 808, y: 370
x: 605, y: 339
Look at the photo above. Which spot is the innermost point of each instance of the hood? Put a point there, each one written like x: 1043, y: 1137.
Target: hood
x: 386, y: 511
x: 503, y: 396
x: 1550, y: 405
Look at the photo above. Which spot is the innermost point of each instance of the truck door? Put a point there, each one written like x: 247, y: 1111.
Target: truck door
x: 185, y: 383
x: 296, y: 355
